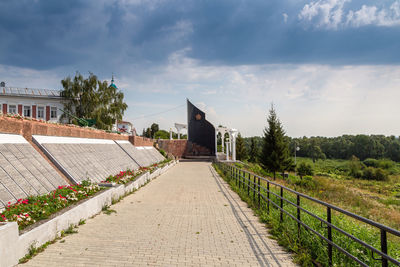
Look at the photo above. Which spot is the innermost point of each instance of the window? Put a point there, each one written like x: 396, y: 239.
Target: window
x: 53, y: 112
x: 27, y: 111
x: 40, y: 113
x: 12, y: 109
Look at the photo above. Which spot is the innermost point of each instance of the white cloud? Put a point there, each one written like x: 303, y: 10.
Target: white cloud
x: 285, y: 17
x: 309, y: 99
x: 331, y: 14
x: 30, y: 78
x: 327, y: 13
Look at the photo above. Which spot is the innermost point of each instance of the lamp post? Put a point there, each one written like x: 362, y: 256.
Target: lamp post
x: 296, y: 148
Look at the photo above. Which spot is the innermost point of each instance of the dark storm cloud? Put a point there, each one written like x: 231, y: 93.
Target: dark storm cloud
x: 48, y: 34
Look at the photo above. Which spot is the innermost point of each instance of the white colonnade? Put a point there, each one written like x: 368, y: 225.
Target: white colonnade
x: 230, y: 145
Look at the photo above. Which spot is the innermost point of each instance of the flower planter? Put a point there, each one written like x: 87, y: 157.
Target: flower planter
x: 14, y: 246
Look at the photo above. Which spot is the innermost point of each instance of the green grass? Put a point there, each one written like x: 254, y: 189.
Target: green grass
x: 71, y: 230
x: 33, y: 250
x: 309, y: 249
x: 106, y: 210
x: 375, y: 200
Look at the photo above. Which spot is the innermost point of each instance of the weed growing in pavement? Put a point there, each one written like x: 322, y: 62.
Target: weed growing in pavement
x: 106, y: 210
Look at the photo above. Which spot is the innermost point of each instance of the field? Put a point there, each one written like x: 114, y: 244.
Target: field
x: 375, y: 200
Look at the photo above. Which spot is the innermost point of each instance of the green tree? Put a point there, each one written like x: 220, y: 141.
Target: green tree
x: 355, y: 167
x: 275, y: 152
x: 154, y: 128
x: 148, y: 133
x: 93, y: 99
x: 304, y: 169
x: 161, y: 134
x: 315, y: 151
x: 253, y: 150
x: 241, y: 152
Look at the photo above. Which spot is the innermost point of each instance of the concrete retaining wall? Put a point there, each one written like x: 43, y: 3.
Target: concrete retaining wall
x: 14, y: 246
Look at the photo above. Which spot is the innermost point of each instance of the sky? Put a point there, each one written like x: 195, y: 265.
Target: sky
x: 330, y: 67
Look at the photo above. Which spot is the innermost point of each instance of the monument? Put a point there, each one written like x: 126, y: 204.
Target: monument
x: 200, y: 131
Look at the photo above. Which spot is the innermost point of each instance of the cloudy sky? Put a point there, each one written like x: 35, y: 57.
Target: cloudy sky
x: 330, y: 67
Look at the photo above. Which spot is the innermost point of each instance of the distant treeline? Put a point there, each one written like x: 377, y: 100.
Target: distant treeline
x: 343, y: 147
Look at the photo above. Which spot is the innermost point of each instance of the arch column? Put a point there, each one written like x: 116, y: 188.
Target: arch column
x: 179, y: 127
x: 233, y: 133
x: 216, y: 142
x: 227, y: 151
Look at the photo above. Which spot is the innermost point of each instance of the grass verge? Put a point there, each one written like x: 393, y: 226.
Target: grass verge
x: 309, y: 249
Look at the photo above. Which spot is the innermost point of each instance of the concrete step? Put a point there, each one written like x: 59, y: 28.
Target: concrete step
x: 198, y: 158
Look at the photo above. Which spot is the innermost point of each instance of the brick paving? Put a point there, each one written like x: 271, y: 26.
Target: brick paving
x: 186, y: 217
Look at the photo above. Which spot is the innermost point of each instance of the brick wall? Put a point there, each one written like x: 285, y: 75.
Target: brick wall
x: 28, y: 128
x: 174, y: 147
x: 141, y: 141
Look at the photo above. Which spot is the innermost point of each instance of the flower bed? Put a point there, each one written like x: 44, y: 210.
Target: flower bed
x: 27, y: 211
x: 126, y: 176
x: 160, y: 164
x: 34, y: 208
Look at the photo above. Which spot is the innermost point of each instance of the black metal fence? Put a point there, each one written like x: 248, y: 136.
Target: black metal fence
x: 255, y: 187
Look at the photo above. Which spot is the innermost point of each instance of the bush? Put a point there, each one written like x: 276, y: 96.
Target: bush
x: 385, y: 164
x: 162, y: 152
x: 304, y: 169
x: 306, y: 182
x: 355, y: 167
x: 371, y: 173
x: 381, y: 163
x: 371, y: 162
x: 380, y: 175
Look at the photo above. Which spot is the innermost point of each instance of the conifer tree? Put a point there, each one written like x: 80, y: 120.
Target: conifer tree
x: 275, y: 152
x: 241, y: 152
x: 253, y: 154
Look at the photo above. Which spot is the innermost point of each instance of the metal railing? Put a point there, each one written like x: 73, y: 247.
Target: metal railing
x: 248, y: 181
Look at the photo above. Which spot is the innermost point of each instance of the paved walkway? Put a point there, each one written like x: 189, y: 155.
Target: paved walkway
x: 186, y: 217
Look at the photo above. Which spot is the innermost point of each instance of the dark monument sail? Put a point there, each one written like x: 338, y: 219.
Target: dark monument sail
x: 200, y: 131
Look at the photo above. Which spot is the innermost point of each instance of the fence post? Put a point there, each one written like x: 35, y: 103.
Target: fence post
x: 329, y: 219
x: 254, y: 188
x: 248, y: 184
x: 268, y: 196
x: 384, y: 247
x: 236, y: 177
x: 281, y: 204
x: 240, y: 178
x: 258, y: 191
x: 298, y: 216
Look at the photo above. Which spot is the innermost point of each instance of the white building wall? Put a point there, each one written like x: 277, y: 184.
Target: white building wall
x: 126, y: 126
x: 33, y: 101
